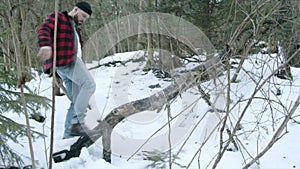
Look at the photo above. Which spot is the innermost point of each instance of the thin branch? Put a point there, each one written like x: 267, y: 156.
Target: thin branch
x: 169, y: 134
x: 28, y: 128
x: 53, y: 86
x: 278, y: 133
x: 257, y: 89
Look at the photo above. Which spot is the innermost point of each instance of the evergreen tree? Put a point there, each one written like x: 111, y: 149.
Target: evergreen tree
x: 11, y: 102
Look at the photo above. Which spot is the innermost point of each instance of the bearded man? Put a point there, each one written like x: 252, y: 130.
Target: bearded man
x: 78, y: 81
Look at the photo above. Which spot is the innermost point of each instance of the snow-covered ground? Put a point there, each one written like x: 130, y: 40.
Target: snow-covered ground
x: 121, y: 84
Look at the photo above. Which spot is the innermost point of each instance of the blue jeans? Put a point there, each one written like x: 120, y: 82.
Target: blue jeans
x: 80, y: 86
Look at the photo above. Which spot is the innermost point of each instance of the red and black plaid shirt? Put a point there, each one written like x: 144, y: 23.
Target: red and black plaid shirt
x: 65, y: 39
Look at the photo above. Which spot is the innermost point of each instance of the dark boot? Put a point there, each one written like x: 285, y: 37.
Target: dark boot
x: 57, y: 91
x: 79, y: 130
x: 58, y: 85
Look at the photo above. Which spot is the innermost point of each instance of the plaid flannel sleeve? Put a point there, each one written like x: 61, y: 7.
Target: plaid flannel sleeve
x: 45, y: 31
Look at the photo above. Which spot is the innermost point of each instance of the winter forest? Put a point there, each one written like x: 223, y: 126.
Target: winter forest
x: 180, y: 84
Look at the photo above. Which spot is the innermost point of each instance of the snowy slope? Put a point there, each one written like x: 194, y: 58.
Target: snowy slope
x: 122, y: 84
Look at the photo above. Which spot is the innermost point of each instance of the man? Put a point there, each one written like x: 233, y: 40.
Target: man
x: 79, y: 83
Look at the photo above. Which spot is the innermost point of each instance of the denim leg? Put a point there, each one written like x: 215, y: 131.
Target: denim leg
x: 71, y: 111
x: 86, y: 87
x: 82, y: 87
x: 69, y: 117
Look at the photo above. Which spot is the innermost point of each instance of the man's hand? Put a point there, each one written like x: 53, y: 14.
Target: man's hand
x: 45, y: 52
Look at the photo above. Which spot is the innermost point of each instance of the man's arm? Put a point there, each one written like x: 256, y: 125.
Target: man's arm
x: 45, y: 32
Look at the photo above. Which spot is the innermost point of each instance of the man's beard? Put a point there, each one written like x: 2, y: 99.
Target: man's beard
x: 76, y: 20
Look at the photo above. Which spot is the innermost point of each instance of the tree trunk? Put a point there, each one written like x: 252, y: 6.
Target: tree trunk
x: 150, y: 61
x: 139, y: 45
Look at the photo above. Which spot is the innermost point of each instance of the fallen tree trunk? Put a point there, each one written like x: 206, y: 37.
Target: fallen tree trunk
x: 204, y: 72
